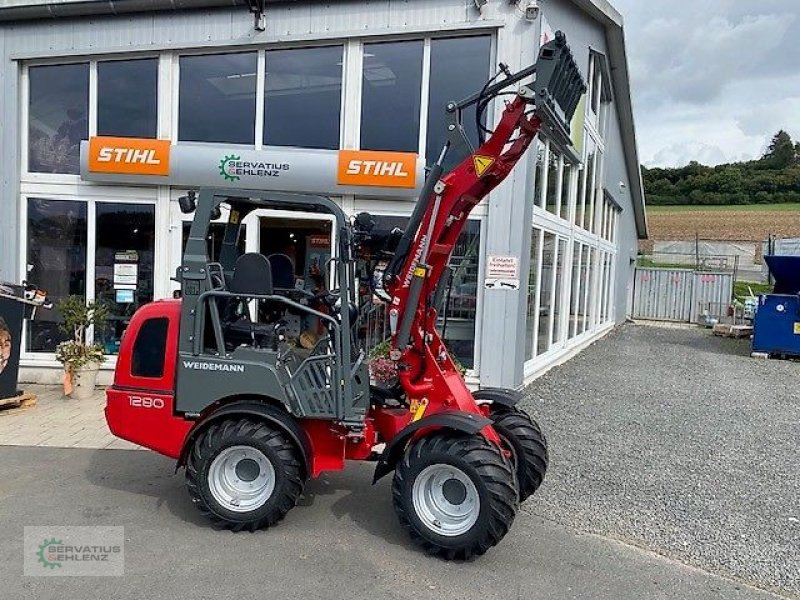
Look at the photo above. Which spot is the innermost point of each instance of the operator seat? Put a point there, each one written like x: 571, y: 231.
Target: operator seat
x: 251, y: 277
x: 282, y: 269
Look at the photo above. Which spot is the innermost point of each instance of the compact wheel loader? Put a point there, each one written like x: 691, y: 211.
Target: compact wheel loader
x: 212, y: 380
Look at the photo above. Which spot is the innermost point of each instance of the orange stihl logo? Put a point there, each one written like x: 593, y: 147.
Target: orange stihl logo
x: 381, y: 169
x: 133, y: 156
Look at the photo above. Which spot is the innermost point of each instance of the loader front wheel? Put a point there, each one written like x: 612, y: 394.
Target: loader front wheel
x: 456, y: 494
x: 528, y: 445
x: 244, y: 474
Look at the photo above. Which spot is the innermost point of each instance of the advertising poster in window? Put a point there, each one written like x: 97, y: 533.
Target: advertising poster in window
x: 10, y: 336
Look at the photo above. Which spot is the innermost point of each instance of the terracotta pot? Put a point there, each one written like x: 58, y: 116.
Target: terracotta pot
x: 83, y: 381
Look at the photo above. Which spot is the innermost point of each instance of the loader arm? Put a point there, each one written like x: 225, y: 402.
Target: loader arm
x: 416, y: 269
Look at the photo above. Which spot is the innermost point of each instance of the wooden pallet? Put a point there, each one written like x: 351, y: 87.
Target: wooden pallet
x: 733, y: 331
x: 11, y: 405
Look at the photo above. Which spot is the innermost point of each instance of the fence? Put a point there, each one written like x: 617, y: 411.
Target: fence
x: 679, y: 294
x: 743, y: 257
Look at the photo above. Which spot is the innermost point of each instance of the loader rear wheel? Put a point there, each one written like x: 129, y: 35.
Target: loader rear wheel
x: 244, y: 474
x: 455, y: 493
x: 527, y: 443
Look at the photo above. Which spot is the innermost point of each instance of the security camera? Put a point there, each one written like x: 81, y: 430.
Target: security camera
x: 531, y: 10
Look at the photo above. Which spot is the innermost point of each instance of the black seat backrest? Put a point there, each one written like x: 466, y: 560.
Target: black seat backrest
x: 282, y: 271
x: 252, y: 275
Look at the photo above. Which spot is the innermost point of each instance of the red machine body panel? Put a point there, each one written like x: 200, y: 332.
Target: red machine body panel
x: 141, y: 409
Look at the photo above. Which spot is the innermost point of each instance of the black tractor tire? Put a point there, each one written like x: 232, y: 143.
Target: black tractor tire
x: 486, y: 468
x: 258, y: 440
x: 528, y: 445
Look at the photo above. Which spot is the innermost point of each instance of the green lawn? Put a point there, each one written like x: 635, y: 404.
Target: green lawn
x: 732, y: 207
x: 742, y: 288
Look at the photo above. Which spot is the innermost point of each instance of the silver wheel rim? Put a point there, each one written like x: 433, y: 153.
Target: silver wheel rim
x: 446, y: 500
x: 241, y: 478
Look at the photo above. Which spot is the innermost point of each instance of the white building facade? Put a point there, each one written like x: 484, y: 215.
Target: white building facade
x: 343, y: 75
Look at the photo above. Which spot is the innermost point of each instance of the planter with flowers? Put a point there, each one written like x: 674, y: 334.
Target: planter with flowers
x: 81, y: 359
x: 383, y: 370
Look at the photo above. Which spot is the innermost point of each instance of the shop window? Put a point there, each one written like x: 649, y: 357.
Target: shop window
x: 547, y: 303
x: 56, y: 262
x: 58, y: 117
x: 552, y: 195
x: 303, y: 97
x: 459, y: 67
x: 577, y: 289
x: 599, y: 91
x: 587, y: 274
x: 595, y: 196
x: 566, y: 189
x: 217, y: 98
x: 457, y: 323
x: 127, y: 98
x: 608, y: 314
x: 150, y: 348
x: 562, y: 276
x: 604, y: 289
x: 534, y: 287
x: 587, y: 189
x: 538, y: 177
x: 125, y: 242
x: 391, y: 92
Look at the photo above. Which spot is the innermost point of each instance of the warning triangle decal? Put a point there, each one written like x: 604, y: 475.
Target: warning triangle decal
x: 482, y: 164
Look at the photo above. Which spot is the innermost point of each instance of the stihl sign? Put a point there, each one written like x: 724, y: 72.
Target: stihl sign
x: 381, y: 169
x: 133, y: 156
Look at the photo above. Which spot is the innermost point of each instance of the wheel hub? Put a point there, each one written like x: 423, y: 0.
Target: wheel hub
x: 241, y: 478
x: 247, y: 469
x: 454, y: 491
x: 446, y: 500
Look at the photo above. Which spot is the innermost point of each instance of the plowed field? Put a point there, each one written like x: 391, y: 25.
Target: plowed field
x: 729, y: 223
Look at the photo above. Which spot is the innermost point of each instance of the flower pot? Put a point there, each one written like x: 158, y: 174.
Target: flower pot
x: 83, y: 381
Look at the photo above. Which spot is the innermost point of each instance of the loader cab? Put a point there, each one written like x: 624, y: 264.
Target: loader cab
x: 269, y: 320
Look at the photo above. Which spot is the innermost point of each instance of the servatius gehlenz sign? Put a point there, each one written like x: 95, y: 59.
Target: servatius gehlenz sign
x: 331, y: 172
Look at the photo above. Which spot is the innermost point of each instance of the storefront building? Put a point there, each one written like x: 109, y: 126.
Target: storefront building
x: 352, y: 75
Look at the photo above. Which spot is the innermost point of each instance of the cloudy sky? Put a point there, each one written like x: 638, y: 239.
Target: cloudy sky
x: 713, y: 80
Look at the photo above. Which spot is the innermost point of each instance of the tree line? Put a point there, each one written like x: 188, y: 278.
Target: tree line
x: 772, y: 179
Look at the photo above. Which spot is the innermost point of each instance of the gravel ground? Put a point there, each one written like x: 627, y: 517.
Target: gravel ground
x: 678, y: 442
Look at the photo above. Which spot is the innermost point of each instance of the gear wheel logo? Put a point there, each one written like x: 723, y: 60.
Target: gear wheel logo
x: 223, y: 167
x: 44, y: 558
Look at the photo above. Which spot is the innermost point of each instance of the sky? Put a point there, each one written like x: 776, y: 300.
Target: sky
x: 712, y: 80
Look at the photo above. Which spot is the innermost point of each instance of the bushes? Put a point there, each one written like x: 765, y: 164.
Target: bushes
x: 769, y: 180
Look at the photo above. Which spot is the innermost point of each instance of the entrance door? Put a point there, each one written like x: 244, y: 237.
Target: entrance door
x: 299, y: 247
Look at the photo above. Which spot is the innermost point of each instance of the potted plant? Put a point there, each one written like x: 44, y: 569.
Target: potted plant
x: 383, y: 370
x: 81, y: 360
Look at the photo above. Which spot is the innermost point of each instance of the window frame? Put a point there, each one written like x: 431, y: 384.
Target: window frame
x: 91, y: 249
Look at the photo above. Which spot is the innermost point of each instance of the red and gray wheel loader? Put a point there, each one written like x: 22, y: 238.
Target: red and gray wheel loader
x: 213, y: 380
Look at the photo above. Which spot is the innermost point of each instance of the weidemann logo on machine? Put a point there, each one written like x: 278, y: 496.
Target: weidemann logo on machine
x: 233, y: 168
x: 196, y: 365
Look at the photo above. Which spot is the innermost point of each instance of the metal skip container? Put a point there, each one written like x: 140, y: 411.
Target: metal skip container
x: 777, y: 323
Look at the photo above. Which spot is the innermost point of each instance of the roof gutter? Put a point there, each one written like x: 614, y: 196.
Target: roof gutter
x: 26, y: 10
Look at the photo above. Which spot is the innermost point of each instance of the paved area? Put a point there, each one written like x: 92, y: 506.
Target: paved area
x: 60, y: 422
x: 678, y: 442
x: 343, y: 541
x: 674, y: 474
